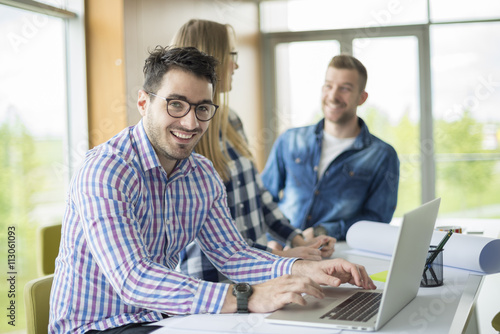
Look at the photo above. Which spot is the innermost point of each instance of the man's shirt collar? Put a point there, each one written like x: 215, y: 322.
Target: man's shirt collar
x: 148, y: 157
x: 363, y: 139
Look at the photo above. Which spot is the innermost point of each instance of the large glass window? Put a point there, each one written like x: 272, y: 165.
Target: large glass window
x: 392, y: 110
x: 34, y: 126
x: 32, y: 131
x: 434, y: 89
x: 300, y: 80
x: 466, y: 90
x: 463, y: 10
x: 307, y: 15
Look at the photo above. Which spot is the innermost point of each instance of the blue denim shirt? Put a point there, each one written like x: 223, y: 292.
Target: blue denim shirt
x: 360, y: 184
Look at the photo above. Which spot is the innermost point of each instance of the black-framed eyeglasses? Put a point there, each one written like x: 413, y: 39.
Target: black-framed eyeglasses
x: 234, y: 56
x: 180, y: 108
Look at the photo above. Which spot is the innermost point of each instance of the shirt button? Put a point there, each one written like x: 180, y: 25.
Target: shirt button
x: 309, y: 217
x: 351, y: 173
x: 315, y: 168
x: 316, y: 192
x: 297, y: 160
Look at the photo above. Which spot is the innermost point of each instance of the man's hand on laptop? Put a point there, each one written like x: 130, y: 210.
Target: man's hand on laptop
x: 276, y: 293
x: 334, y: 272
x: 306, y: 278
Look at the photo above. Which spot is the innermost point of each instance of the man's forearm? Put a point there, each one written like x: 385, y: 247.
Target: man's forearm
x: 298, y: 267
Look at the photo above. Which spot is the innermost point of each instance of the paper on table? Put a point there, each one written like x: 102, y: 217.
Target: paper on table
x: 231, y: 323
x: 463, y: 251
x: 381, y: 276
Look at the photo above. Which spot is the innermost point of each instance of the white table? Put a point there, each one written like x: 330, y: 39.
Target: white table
x: 445, y: 309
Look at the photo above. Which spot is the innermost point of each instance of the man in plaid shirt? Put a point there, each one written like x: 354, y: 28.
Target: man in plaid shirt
x: 141, y: 197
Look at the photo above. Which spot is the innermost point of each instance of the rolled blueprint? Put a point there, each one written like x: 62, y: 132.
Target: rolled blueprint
x: 470, y: 252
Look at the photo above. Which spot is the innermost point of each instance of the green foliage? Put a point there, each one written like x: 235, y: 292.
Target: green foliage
x: 467, y: 181
x: 19, y: 182
x: 460, y: 136
x: 464, y: 182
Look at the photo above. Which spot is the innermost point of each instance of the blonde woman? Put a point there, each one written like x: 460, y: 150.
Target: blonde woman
x: 224, y: 143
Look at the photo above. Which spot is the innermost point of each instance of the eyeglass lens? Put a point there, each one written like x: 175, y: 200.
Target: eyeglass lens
x: 234, y: 56
x: 179, y: 108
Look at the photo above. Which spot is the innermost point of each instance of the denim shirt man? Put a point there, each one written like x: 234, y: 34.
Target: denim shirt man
x: 360, y: 184
x: 334, y: 173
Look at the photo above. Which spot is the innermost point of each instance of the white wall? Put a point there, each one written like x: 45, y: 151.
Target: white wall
x: 154, y: 22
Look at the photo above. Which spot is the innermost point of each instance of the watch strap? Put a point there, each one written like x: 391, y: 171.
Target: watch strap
x: 242, y: 304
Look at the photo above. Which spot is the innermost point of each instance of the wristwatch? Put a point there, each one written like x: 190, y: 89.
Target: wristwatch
x: 242, y: 291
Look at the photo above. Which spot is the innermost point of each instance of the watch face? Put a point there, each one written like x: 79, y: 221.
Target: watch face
x: 242, y: 287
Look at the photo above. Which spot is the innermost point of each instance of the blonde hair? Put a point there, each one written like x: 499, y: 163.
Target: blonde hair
x: 214, y: 39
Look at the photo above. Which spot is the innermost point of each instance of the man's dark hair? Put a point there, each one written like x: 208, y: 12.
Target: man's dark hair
x: 163, y: 59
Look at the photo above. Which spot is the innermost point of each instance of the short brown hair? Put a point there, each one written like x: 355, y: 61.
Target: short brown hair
x: 349, y: 62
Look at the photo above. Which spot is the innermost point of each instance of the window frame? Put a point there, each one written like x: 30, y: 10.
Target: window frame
x: 76, y: 139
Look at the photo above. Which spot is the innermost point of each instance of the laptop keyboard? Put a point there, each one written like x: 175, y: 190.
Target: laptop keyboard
x: 361, y: 306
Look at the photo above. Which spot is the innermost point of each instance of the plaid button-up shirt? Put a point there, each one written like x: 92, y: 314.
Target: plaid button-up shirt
x: 124, y: 226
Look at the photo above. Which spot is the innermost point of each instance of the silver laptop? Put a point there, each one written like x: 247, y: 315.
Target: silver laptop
x: 369, y: 310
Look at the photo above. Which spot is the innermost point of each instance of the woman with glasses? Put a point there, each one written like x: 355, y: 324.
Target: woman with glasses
x: 224, y: 143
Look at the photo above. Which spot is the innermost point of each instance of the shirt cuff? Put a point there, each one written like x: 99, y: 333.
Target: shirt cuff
x: 209, y: 297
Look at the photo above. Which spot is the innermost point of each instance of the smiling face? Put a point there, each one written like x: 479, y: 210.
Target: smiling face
x: 174, y: 139
x: 341, y: 96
